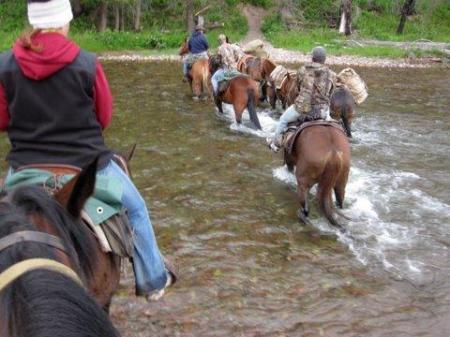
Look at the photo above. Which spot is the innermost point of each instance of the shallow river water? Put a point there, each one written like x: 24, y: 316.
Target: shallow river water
x: 225, y: 208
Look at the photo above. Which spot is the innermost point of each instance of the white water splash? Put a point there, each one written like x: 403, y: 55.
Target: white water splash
x: 268, y: 123
x: 374, y: 233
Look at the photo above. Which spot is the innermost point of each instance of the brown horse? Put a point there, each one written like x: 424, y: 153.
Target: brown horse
x: 198, y: 75
x: 41, y: 282
x: 321, y: 155
x: 288, y: 90
x: 100, y: 270
x: 242, y: 92
x: 259, y: 69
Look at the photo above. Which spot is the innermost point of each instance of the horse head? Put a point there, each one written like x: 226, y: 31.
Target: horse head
x: 47, y: 295
x: 184, y: 49
x: 215, y: 62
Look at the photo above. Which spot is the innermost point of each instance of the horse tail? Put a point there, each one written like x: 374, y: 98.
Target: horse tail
x: 327, y: 181
x: 252, y: 108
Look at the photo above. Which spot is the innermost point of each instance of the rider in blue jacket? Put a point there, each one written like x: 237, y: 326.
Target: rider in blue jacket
x: 198, y: 48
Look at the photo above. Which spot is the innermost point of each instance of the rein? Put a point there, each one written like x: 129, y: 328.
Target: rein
x: 14, y: 272
x: 32, y: 236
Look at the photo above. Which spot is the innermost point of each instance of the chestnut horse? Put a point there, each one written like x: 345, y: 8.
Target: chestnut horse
x: 45, y: 297
x: 198, y: 75
x: 260, y: 69
x: 101, y: 270
x: 242, y: 92
x: 342, y: 104
x: 321, y: 155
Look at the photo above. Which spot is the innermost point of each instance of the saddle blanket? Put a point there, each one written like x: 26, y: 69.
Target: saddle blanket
x: 228, y: 75
x: 103, y: 212
x: 191, y: 58
x: 105, y: 203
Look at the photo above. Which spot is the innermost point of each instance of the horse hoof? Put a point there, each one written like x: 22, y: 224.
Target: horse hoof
x: 195, y: 98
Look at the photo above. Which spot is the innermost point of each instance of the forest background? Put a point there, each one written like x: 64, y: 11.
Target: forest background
x: 159, y: 26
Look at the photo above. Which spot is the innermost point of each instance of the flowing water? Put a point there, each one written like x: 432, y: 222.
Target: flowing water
x: 225, y: 207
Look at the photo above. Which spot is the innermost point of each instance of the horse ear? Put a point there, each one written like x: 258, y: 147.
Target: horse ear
x: 75, y: 193
x: 128, y: 155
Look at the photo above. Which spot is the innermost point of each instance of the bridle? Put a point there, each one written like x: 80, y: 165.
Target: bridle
x: 17, y: 270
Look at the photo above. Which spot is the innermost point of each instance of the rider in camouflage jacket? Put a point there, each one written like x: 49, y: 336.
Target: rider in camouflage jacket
x: 316, y: 84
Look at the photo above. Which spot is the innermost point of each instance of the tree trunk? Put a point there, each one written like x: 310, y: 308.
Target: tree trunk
x: 137, y: 15
x: 189, y: 15
x: 122, y: 18
x: 407, y: 9
x: 103, y: 17
x: 77, y: 8
x: 345, y: 26
x: 116, y: 17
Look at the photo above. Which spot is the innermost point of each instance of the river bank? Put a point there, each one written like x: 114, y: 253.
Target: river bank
x: 279, y: 55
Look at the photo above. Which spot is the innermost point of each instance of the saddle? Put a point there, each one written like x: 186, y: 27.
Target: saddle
x: 243, y: 61
x: 295, y: 129
x: 113, y: 233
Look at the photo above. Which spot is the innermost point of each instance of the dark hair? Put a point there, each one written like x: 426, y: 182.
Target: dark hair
x: 26, y: 40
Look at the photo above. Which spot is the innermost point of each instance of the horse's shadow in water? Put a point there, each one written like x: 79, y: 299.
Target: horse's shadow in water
x: 44, y: 303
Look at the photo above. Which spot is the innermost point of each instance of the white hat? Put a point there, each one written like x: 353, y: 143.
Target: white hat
x: 49, y: 14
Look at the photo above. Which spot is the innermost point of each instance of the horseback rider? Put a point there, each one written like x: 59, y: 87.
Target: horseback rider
x: 231, y: 54
x: 198, y: 49
x: 316, y: 83
x: 55, y: 102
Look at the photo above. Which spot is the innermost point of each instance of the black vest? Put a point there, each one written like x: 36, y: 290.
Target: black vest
x: 52, y: 121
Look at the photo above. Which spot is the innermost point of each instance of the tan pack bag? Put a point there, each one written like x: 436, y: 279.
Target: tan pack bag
x: 350, y: 79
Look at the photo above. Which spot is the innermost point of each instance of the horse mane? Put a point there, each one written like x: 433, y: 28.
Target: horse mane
x: 33, y: 200
x: 215, y: 62
x: 43, y: 303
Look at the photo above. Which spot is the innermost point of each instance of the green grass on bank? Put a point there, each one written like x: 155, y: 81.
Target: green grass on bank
x: 368, y: 25
x: 116, y: 41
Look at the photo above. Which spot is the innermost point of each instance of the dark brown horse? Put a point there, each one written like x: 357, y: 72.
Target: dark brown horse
x: 342, y: 106
x: 101, y: 270
x: 321, y: 155
x: 198, y: 75
x: 259, y: 69
x: 46, y: 297
x: 242, y: 92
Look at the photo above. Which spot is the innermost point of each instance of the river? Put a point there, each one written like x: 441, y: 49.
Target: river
x: 225, y: 208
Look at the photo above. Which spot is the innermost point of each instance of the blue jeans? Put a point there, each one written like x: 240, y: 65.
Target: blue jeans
x: 215, y: 79
x: 185, y: 68
x: 149, y: 269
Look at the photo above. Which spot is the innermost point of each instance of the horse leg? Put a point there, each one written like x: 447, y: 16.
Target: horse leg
x: 339, y: 190
x: 196, y: 88
x: 302, y: 192
x: 218, y: 102
x: 263, y: 91
x: 239, y: 110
